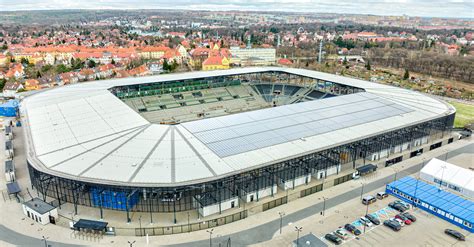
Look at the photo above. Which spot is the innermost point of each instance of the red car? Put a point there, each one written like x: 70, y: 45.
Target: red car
x: 403, y: 218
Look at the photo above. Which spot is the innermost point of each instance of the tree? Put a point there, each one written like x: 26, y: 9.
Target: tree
x: 112, y: 62
x: 345, y: 61
x: 406, y: 75
x: 368, y: 65
x: 62, y: 69
x: 2, y: 83
x: 91, y: 64
x: 166, y: 66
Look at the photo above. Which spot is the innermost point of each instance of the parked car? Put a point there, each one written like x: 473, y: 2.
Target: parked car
x: 409, y: 216
x: 398, y: 206
x: 366, y: 221
x: 403, y: 218
x: 399, y: 221
x: 373, y: 219
x: 392, y: 224
x: 341, y: 234
x: 333, y: 238
x: 352, y: 229
x: 455, y: 234
x: 368, y: 200
x: 406, y: 205
x: 381, y: 195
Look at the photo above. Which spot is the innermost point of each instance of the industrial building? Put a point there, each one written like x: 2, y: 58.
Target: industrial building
x: 253, y: 56
x: 210, y: 141
x: 40, y: 211
x: 432, y: 199
x: 444, y: 174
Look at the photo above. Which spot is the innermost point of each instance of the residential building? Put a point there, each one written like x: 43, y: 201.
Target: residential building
x: 216, y: 62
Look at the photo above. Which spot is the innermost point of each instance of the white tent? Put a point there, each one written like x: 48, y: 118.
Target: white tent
x: 448, y: 175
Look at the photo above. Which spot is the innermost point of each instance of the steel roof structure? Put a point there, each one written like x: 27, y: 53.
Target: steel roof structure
x: 84, y: 132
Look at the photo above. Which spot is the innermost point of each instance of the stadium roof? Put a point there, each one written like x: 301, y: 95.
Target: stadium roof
x: 84, y: 132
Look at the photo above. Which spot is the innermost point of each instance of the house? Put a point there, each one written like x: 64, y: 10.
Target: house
x: 3, y: 59
x: 216, y: 62
x: 68, y: 78
x: 86, y: 75
x: 11, y: 88
x: 139, y: 71
x: 153, y: 52
x: 32, y: 84
x: 182, y: 52
x: 198, y: 56
x: 15, y: 71
x: 106, y: 70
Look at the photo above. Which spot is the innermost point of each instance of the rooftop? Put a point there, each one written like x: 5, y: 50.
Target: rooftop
x: 448, y: 202
x: 82, y: 131
x: 39, y: 205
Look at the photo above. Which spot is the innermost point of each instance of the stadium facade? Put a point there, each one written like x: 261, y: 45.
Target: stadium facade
x: 92, y: 144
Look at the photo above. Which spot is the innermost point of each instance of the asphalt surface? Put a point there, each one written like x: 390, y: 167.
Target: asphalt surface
x: 261, y: 233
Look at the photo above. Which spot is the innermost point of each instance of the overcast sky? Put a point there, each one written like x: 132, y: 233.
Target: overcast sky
x: 429, y: 8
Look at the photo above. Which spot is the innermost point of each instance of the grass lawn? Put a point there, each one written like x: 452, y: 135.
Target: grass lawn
x: 464, y: 114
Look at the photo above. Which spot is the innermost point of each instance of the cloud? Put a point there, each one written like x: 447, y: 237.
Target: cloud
x: 428, y: 8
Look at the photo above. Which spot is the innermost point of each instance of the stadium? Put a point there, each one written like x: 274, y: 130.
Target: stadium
x: 208, y: 141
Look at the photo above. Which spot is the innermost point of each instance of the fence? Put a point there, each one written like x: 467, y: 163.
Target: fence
x: 311, y: 190
x: 168, y: 230
x: 275, y: 203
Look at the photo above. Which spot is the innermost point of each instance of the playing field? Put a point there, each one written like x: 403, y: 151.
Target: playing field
x: 464, y: 114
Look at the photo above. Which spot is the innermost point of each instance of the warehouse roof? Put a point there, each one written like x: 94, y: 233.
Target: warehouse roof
x: 448, y: 202
x: 452, y: 174
x: 82, y: 131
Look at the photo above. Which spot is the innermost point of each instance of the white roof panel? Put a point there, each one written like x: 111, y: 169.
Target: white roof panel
x: 82, y: 131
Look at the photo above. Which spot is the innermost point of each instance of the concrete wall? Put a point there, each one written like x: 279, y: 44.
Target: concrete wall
x: 261, y: 193
x: 214, y: 208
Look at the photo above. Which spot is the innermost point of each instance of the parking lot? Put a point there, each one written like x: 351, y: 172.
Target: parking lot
x: 428, y: 230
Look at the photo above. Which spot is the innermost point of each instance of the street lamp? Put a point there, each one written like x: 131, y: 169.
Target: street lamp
x: 210, y: 236
x: 324, y: 206
x: 45, y: 241
x: 131, y: 243
x: 140, y: 220
x: 362, y: 191
x: 298, y: 230
x: 281, y: 219
x: 366, y: 212
x: 443, y: 167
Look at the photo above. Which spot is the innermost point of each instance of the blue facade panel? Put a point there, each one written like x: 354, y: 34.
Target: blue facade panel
x: 9, y: 109
x: 448, y: 206
x: 113, y: 199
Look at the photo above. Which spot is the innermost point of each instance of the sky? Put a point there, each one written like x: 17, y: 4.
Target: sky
x: 425, y: 8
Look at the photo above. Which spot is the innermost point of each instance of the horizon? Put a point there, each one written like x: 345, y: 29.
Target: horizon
x: 458, y: 9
